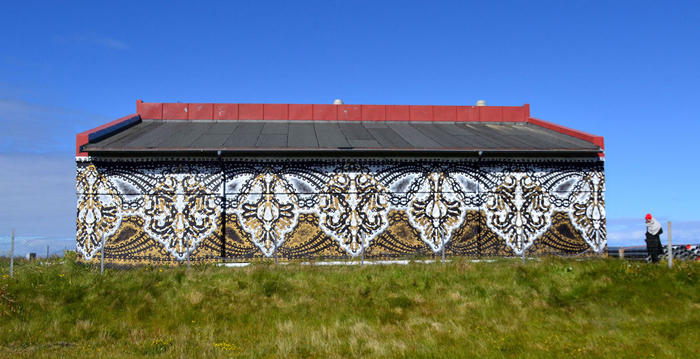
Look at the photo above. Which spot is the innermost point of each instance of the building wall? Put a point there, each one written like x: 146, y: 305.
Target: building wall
x: 158, y: 210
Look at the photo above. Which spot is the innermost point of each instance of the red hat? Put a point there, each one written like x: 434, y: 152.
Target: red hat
x: 648, y: 217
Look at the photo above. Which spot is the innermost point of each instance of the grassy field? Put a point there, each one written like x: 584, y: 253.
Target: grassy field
x: 550, y: 307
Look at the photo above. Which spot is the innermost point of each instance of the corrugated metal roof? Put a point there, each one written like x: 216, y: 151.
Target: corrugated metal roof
x: 252, y: 135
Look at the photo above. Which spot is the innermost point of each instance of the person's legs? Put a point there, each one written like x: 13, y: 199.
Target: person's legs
x: 653, y: 250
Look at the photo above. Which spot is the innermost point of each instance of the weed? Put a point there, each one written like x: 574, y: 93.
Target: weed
x: 156, y: 346
x: 224, y: 346
x: 554, y: 307
x: 7, y: 303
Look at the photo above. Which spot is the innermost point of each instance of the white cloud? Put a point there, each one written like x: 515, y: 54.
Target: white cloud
x: 8, y: 90
x: 37, y: 195
x: 630, y: 231
x: 27, y: 127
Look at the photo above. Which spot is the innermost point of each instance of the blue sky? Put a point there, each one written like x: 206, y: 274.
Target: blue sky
x: 625, y: 70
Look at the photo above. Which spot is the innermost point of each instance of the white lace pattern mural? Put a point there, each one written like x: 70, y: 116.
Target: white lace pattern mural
x: 176, y: 208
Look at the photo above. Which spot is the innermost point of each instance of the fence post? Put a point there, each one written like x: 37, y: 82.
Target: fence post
x: 102, y: 255
x: 12, y: 253
x: 274, y: 244
x: 670, y: 248
x: 362, y: 252
x: 47, y: 252
x: 443, y: 251
x: 188, y: 258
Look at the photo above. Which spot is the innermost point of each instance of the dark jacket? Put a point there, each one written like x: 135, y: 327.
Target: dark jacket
x: 654, y: 236
x: 654, y: 247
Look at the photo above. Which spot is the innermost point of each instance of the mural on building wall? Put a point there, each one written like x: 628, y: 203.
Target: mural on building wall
x: 164, y: 210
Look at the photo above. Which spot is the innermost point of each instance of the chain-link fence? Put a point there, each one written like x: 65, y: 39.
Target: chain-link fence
x: 680, y: 252
x: 31, y: 248
x: 17, y: 250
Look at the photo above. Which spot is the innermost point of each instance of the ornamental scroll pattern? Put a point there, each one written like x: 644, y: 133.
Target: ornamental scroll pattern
x: 173, y: 209
x: 267, y: 210
x: 519, y: 211
x: 353, y: 208
x: 179, y: 212
x: 99, y: 210
x: 436, y: 210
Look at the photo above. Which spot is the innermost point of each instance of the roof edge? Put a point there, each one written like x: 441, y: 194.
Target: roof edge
x: 85, y: 137
x: 217, y: 151
x: 596, y: 140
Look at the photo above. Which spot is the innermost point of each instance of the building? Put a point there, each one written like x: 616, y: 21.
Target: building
x: 243, y: 181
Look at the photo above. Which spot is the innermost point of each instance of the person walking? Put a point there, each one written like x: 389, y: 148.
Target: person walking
x: 653, y: 241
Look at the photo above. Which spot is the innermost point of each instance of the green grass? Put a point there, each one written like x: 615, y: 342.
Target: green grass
x: 551, y: 307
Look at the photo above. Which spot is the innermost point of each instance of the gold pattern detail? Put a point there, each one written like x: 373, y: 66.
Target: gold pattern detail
x: 588, y: 212
x: 434, y: 213
x: 99, y: 211
x: 518, y: 211
x: 353, y: 210
x: 179, y: 212
x: 268, y: 211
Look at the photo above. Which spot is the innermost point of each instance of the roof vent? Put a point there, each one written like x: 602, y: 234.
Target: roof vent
x: 338, y: 102
x: 481, y: 103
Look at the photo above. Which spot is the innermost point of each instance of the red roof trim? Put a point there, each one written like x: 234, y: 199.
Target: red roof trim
x: 225, y: 111
x: 200, y: 111
x: 325, y: 112
x: 349, y: 112
x: 85, y: 137
x: 301, y: 112
x: 150, y: 110
x: 596, y: 140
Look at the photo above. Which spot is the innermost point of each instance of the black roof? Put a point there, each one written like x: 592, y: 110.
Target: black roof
x: 319, y: 136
